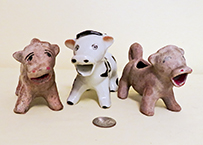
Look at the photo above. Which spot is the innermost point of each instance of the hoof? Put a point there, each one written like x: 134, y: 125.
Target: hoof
x: 175, y: 108
x: 105, y: 107
x: 56, y: 108
x: 70, y: 103
x: 117, y: 81
x: 20, y: 111
x: 147, y: 112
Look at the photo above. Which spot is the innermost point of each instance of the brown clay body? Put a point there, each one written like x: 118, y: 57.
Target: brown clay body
x: 154, y: 79
x: 37, y: 78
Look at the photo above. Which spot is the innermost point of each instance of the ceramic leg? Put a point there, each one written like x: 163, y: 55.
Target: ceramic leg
x: 103, y: 94
x: 77, y: 90
x: 18, y: 89
x: 123, y: 89
x: 22, y: 104
x: 171, y: 103
x: 53, y: 99
x: 147, y: 106
x: 148, y: 102
x: 114, y: 83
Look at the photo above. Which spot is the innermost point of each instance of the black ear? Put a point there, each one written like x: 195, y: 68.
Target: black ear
x: 18, y: 56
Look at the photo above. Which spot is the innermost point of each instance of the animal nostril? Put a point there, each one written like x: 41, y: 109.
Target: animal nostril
x: 73, y: 60
x: 86, y: 61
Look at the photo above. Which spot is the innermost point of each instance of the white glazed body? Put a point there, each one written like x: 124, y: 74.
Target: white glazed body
x: 102, y: 77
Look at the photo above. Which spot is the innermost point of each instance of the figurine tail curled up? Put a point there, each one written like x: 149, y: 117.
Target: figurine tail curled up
x: 135, y: 56
x: 135, y: 51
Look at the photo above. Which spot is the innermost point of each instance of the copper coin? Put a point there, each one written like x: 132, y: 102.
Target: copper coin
x: 104, y: 122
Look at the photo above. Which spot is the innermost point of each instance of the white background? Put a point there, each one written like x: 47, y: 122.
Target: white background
x: 153, y: 24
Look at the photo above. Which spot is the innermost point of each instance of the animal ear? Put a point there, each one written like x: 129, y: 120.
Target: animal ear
x: 109, y: 40
x: 182, y: 51
x: 56, y: 49
x: 34, y: 40
x: 18, y: 56
x: 152, y: 58
x: 70, y: 43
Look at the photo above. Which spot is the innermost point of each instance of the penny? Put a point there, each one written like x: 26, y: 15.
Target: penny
x: 104, y: 122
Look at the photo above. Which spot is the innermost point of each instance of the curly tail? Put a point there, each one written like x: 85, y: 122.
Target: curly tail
x: 135, y: 51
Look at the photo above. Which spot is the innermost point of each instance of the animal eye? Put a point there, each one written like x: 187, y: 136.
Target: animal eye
x: 167, y: 58
x: 77, y: 47
x: 30, y: 58
x: 94, y: 46
x: 48, y: 54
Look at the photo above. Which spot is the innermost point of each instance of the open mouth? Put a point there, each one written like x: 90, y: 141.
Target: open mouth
x: 84, y: 70
x: 179, y: 80
x: 41, y: 79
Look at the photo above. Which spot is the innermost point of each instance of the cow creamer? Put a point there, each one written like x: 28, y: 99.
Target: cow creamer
x: 96, y: 68
x: 154, y: 79
x: 37, y: 78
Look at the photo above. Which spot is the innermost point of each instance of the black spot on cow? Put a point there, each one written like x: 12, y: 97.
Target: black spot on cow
x: 113, y: 58
x: 109, y: 66
x: 117, y: 81
x: 106, y: 72
x: 88, y: 32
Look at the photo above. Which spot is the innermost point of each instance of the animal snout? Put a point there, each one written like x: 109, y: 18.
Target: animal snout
x: 74, y: 60
x: 40, y: 69
x: 36, y: 70
x: 80, y: 59
x: 185, y: 69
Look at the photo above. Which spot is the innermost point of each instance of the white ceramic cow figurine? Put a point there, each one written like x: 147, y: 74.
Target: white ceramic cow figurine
x: 96, y: 68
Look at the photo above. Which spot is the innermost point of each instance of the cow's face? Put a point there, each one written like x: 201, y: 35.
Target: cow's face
x: 88, y: 51
x: 38, y: 60
x: 170, y: 62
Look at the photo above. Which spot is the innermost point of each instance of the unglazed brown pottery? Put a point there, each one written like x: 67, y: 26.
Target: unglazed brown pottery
x: 37, y: 78
x: 154, y: 79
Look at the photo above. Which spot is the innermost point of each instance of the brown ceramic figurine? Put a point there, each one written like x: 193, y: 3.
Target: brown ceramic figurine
x: 154, y: 80
x: 37, y: 78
